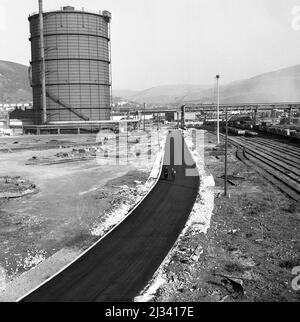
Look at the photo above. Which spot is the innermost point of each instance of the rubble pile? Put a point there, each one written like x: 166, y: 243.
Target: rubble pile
x: 121, y: 203
x: 15, y: 187
x: 78, y: 154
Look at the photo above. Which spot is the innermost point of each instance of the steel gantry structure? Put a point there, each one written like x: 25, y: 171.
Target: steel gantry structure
x: 213, y: 107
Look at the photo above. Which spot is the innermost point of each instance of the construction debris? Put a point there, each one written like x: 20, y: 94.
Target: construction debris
x: 15, y: 187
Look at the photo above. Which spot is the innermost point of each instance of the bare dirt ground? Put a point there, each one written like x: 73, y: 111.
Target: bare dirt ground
x: 50, y: 228
x: 249, y: 250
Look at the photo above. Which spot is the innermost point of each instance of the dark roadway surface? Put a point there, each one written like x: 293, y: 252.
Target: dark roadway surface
x: 120, y: 265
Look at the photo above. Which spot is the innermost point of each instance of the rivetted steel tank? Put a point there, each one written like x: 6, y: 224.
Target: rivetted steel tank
x: 77, y: 65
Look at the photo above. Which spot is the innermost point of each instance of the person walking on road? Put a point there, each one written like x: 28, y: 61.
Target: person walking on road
x: 173, y: 171
x: 166, y: 172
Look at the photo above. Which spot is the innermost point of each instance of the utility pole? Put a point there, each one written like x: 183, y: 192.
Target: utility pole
x: 183, y: 116
x: 291, y: 115
x: 43, y: 66
x: 226, y: 153
x: 144, y: 117
x: 218, y: 109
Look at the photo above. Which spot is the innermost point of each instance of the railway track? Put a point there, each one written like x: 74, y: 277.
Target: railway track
x: 282, y: 164
x: 275, y: 169
x: 291, y: 163
x: 275, y: 140
x: 281, y: 148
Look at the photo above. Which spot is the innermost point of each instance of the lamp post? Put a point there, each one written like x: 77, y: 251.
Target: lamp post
x: 183, y: 116
x: 144, y: 117
x: 218, y: 109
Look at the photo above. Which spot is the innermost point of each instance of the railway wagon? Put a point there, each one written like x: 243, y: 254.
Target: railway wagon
x: 295, y: 134
x: 244, y: 126
x: 251, y: 133
x: 279, y: 131
x: 236, y: 131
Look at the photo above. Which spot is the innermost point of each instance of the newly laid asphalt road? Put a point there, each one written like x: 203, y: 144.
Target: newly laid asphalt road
x: 120, y: 265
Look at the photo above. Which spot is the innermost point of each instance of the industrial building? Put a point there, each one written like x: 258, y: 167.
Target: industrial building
x: 70, y: 67
x: 4, y: 120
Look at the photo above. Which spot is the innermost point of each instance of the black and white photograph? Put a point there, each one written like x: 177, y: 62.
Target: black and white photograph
x: 150, y: 154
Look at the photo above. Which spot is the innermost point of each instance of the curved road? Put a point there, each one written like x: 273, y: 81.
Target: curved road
x: 119, y: 266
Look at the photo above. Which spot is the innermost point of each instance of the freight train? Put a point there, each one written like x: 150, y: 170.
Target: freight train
x: 278, y: 130
x: 251, y: 130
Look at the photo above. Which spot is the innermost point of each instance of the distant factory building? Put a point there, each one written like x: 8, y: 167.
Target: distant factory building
x: 170, y: 116
x: 191, y: 116
x: 4, y: 122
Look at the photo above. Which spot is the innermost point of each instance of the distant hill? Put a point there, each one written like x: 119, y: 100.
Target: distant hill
x: 279, y: 86
x: 14, y: 83
x: 166, y: 94
x: 124, y: 93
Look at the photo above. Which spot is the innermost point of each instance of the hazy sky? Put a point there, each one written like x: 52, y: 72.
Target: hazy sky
x: 157, y: 42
